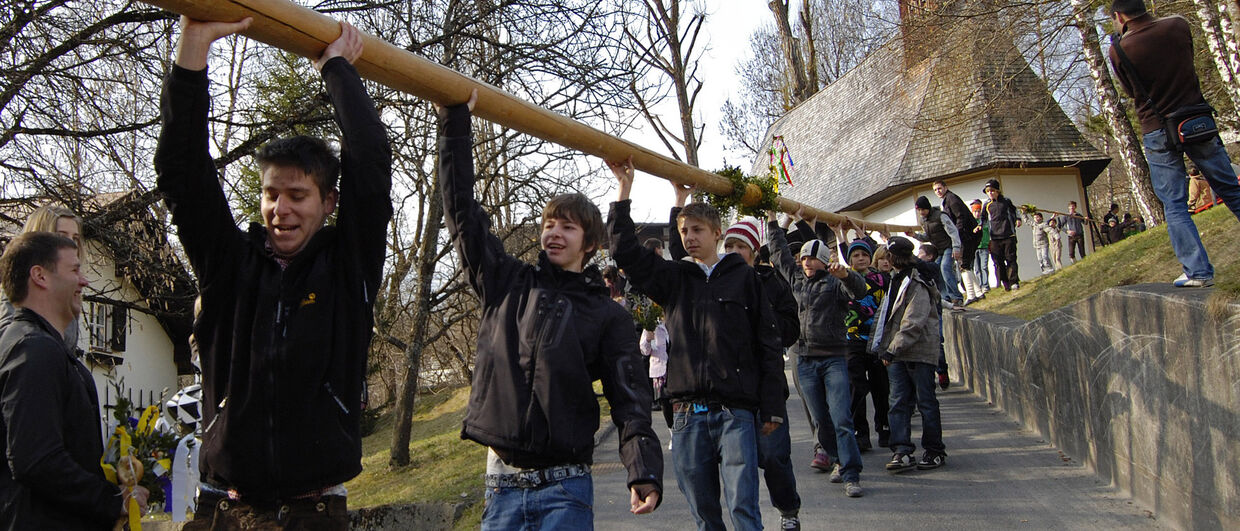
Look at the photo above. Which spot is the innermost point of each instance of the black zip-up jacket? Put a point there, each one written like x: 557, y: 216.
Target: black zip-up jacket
x: 1000, y: 215
x: 776, y: 288
x: 962, y: 216
x: 724, y: 344
x: 822, y: 300
x: 545, y: 336
x: 49, y: 434
x: 283, y: 350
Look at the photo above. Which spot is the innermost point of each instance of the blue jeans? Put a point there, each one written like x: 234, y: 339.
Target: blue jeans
x: 775, y: 459
x: 912, y: 381
x: 981, y: 266
x: 828, y: 393
x: 707, y: 446
x: 947, y: 266
x: 565, y: 504
x: 1168, y: 177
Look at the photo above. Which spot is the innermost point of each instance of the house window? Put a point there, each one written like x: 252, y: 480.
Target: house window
x: 106, y: 326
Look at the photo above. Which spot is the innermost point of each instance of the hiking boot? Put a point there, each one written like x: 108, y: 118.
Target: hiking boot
x: 1185, y: 282
x: 835, y: 474
x: 790, y: 523
x: 931, y: 461
x: 853, y: 489
x: 900, y: 462
x: 821, y: 462
x: 944, y: 382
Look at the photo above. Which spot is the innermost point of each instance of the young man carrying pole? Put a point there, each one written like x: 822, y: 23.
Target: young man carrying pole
x: 287, y: 306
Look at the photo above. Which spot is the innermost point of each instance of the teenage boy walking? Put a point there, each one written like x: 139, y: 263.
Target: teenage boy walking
x: 287, y: 306
x: 869, y: 376
x: 725, y: 370
x: 1072, y: 224
x: 775, y: 448
x: 906, y: 338
x: 822, y: 288
x: 548, y: 331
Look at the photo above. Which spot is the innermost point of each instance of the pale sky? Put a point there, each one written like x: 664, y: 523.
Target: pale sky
x: 727, y: 30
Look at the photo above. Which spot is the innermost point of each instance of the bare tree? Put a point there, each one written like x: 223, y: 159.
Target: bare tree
x: 665, y: 40
x: 793, y: 58
x: 1136, y: 169
x: 1216, y: 26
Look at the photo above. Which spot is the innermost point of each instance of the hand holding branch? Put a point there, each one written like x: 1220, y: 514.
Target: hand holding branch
x: 194, y: 46
x: 623, y: 170
x: 348, y: 46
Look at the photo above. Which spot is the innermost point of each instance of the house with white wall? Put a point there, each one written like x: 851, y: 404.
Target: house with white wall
x: 132, y: 328
x: 956, y: 102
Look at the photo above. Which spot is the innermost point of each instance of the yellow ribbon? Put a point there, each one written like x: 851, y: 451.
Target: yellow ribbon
x: 146, y: 423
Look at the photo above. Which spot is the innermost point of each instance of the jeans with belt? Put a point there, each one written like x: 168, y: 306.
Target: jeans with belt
x: 563, y: 504
x: 713, y: 443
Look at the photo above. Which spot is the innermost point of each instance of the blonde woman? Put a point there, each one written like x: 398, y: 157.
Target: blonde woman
x: 58, y: 219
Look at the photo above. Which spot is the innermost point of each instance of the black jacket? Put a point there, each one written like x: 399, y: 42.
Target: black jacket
x: 545, y: 336
x: 49, y: 433
x: 822, y: 300
x: 724, y: 345
x: 283, y: 350
x: 775, y: 287
x: 1000, y: 215
x: 962, y: 216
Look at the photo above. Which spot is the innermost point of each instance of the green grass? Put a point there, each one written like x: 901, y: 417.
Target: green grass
x: 1141, y: 258
x: 443, y: 467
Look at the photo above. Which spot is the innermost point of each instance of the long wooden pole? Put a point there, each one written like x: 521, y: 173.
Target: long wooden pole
x: 306, y: 32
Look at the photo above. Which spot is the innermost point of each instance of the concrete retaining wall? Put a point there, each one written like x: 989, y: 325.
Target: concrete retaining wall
x: 1138, y: 382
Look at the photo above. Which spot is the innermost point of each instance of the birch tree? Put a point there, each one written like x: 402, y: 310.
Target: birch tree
x: 1129, y: 144
x: 1216, y: 26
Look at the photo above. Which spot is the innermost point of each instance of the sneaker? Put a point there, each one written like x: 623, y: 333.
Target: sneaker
x: 900, y: 462
x: 791, y: 523
x: 835, y: 474
x: 1016, y: 285
x: 931, y: 461
x: 821, y: 462
x: 944, y: 382
x: 1185, y: 282
x: 853, y: 489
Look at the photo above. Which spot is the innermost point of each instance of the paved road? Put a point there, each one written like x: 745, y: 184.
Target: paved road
x: 998, y: 476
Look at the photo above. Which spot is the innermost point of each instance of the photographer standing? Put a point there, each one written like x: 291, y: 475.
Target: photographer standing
x: 1153, y: 59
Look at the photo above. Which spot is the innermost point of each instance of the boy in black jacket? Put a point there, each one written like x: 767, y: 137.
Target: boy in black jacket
x: 548, y: 331
x: 287, y: 306
x: 774, y: 449
x: 1000, y: 216
x: 724, y: 364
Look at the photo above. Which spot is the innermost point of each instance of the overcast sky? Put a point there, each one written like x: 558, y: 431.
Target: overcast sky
x: 728, y: 27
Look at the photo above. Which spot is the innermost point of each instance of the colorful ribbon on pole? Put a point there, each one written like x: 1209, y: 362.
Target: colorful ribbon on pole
x: 781, y: 160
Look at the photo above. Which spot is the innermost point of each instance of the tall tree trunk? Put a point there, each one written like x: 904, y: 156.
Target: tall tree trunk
x: 684, y: 101
x: 1129, y: 144
x: 1216, y: 25
x: 670, y: 47
x: 428, y: 252
x: 807, y: 27
x: 792, y: 53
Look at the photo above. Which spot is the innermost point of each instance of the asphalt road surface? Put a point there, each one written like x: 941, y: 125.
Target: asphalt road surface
x: 997, y: 476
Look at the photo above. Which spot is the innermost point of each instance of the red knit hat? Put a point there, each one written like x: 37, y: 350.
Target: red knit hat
x: 745, y: 230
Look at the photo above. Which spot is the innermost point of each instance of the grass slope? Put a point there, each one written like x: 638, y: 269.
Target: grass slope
x: 443, y: 467
x: 1142, y: 258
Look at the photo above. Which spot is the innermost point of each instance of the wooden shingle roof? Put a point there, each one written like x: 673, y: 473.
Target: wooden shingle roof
x: 970, y: 103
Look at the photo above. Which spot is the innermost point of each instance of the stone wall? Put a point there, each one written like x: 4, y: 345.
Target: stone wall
x: 1139, y: 382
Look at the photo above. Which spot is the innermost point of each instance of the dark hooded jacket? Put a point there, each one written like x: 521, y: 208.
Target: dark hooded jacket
x: 822, y: 300
x: 49, y: 434
x: 724, y: 342
x: 283, y: 348
x: 545, y: 336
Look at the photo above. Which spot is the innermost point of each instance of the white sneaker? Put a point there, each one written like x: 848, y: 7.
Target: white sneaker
x: 1185, y: 282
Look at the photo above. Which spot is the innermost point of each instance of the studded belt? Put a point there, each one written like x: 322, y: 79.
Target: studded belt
x: 529, y: 479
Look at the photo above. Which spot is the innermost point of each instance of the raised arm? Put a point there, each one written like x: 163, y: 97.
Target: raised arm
x: 481, y: 253
x: 781, y: 256
x: 643, y: 266
x: 186, y: 174
x: 365, y: 157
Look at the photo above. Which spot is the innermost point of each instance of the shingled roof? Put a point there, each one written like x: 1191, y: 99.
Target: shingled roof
x: 969, y: 103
